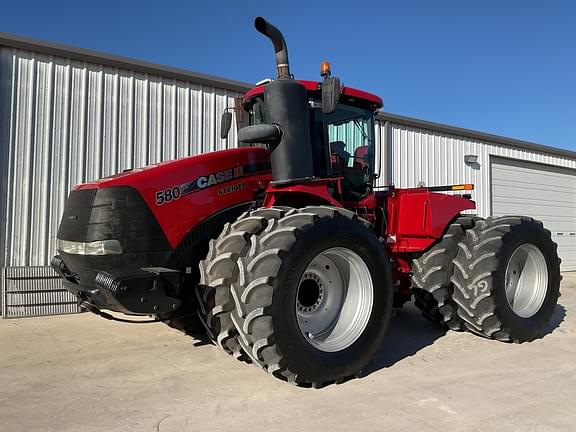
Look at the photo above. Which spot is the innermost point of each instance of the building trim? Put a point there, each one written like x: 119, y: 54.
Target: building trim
x: 59, y: 50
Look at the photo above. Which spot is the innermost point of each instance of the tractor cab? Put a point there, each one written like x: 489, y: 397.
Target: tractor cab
x: 342, y: 140
x: 350, y: 133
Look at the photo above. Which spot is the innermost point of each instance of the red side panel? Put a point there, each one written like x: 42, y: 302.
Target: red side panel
x: 313, y: 192
x: 417, y: 217
x: 184, y: 192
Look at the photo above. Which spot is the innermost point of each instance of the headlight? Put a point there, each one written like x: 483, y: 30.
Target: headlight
x: 100, y: 247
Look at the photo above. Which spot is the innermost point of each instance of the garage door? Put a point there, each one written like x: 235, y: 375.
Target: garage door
x: 543, y: 192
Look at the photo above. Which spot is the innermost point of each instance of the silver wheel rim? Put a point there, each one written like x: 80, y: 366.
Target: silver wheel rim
x: 526, y: 280
x: 334, y: 299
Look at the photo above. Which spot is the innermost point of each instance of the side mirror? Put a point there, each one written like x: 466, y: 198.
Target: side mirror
x: 330, y: 94
x: 262, y: 133
x: 225, y: 124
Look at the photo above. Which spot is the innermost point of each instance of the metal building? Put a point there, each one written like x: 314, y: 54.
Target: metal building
x: 511, y: 177
x: 69, y: 116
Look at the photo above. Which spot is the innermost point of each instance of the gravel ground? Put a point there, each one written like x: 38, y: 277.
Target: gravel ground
x: 83, y: 373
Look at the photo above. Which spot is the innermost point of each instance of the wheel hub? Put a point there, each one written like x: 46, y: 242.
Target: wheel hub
x: 334, y: 299
x: 526, y: 280
x: 310, y: 293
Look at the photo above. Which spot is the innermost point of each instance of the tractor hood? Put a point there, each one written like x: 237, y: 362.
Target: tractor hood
x: 179, y: 194
x: 179, y: 169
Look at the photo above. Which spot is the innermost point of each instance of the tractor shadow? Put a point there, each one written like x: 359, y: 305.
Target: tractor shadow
x: 200, y: 338
x: 557, y: 319
x: 410, y: 332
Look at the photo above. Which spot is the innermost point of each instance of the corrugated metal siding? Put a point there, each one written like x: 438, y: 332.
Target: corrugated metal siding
x: 382, y: 153
x: 425, y: 156
x: 73, y: 122
x: 65, y: 121
x: 34, y: 291
x: 5, y: 119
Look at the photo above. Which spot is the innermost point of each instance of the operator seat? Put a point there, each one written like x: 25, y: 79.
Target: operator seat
x: 354, y: 184
x: 339, y: 157
x: 361, y: 157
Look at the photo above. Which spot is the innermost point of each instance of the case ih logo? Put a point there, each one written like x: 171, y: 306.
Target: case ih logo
x: 208, y: 180
x: 213, y: 179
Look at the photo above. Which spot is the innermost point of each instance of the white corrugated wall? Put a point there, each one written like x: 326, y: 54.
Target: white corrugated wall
x: 435, y: 159
x: 66, y: 122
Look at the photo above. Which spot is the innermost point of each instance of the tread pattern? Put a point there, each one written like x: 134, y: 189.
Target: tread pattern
x: 475, y: 264
x: 431, y: 274
x: 253, y: 291
x: 219, y: 270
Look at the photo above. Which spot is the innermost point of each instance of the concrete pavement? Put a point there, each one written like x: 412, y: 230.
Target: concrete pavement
x: 81, y: 373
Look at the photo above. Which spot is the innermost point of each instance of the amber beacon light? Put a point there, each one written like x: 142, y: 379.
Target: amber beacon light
x: 325, y: 68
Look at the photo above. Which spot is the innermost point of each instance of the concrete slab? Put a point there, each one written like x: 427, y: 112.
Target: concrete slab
x: 82, y: 373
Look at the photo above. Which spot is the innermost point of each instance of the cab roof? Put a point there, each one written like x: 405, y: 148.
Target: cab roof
x: 351, y: 95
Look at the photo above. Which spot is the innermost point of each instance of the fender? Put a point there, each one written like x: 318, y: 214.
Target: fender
x: 195, y: 243
x: 417, y: 218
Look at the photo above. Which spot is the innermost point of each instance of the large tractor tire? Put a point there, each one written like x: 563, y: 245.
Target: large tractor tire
x: 507, y: 278
x: 314, y: 296
x: 219, y: 270
x: 431, y: 274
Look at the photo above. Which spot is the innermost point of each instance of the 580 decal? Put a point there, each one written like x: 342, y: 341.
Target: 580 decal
x: 168, y: 195
x: 209, y: 180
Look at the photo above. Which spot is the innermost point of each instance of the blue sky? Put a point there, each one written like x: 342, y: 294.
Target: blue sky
x: 504, y: 67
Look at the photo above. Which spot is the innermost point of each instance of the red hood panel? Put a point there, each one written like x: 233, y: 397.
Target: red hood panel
x: 174, y: 168
x: 183, y: 192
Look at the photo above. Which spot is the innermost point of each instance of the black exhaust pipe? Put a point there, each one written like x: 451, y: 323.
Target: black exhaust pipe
x: 267, y: 29
x: 288, y: 118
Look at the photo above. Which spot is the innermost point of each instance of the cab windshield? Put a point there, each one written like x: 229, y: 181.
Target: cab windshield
x: 351, y: 138
x: 347, y: 136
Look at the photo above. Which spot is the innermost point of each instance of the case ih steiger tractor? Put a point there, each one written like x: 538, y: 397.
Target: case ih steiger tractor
x: 287, y: 254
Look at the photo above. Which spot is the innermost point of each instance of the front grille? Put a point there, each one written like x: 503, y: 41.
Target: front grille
x: 117, y: 213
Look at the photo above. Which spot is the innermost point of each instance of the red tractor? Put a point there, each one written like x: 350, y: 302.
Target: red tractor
x: 285, y: 250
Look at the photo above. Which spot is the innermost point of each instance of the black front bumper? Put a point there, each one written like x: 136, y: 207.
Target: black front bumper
x: 133, y: 291
x: 133, y: 282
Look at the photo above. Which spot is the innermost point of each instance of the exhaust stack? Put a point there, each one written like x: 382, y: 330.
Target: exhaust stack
x: 267, y: 29
x: 287, y: 131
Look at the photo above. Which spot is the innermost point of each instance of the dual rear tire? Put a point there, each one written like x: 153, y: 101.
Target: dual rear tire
x: 312, y: 294
x: 431, y: 277
x: 498, y: 278
x: 507, y: 279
